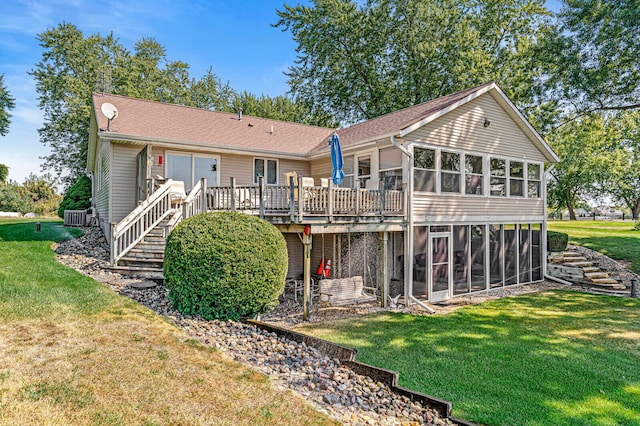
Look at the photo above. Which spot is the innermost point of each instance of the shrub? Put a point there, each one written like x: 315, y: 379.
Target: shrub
x: 225, y: 265
x: 77, y: 197
x: 15, y: 198
x: 557, y: 241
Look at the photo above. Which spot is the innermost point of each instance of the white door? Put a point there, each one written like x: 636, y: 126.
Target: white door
x: 439, y: 266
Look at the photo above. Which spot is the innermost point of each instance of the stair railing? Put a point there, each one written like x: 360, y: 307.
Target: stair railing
x: 137, y: 224
x: 195, y: 203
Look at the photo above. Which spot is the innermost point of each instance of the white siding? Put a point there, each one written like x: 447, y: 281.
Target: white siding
x: 464, y: 209
x: 123, y: 180
x: 463, y: 128
x: 101, y: 183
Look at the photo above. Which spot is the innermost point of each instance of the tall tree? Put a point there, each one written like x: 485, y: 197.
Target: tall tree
x: 283, y: 108
x: 582, y: 146
x: 7, y: 103
x: 359, y: 62
x: 594, y: 56
x: 4, y: 172
x: 73, y: 66
x: 622, y: 180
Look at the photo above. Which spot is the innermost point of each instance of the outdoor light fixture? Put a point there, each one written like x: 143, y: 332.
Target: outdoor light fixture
x: 486, y: 122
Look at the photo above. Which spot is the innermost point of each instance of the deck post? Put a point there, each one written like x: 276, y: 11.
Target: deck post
x: 306, y: 292
x: 300, y: 200
x: 357, y: 206
x: 330, y: 201
x: 233, y: 193
x: 261, y: 191
x: 203, y: 194
x: 382, y: 199
x: 384, y: 268
x: 292, y: 203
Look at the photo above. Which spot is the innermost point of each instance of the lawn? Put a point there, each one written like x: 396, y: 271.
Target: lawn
x: 616, y: 239
x: 551, y: 358
x: 74, y: 352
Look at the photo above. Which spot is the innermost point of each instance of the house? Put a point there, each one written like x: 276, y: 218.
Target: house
x: 439, y: 199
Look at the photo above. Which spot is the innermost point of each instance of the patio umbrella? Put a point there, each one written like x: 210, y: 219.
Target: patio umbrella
x: 336, y: 160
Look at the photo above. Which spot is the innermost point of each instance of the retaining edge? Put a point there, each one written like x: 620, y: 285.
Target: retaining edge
x: 347, y: 356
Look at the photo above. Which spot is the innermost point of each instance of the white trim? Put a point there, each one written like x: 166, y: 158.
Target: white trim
x: 266, y: 160
x: 444, y: 111
x: 175, y: 144
x: 474, y: 220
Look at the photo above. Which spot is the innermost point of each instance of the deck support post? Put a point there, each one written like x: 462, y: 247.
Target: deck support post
x: 384, y: 267
x: 233, y: 193
x: 382, y: 200
x: 203, y: 193
x: 292, y: 201
x: 300, y: 200
x: 306, y: 291
x: 330, y: 201
x: 261, y: 192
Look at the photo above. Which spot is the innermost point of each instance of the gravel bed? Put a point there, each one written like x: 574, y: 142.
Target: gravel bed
x: 332, y: 388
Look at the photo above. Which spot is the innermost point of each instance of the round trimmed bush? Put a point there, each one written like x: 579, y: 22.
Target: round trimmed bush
x: 225, y: 265
x: 557, y: 241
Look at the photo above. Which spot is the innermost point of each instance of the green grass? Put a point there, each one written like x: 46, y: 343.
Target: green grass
x: 73, y: 352
x: 552, y: 358
x: 616, y: 239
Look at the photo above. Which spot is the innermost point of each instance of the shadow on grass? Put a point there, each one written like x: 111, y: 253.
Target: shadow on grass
x: 25, y: 230
x: 549, y: 358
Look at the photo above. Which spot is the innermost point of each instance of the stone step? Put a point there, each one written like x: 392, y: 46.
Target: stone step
x: 139, y: 271
x: 587, y: 269
x: 612, y: 292
x: 571, y: 254
x: 575, y: 259
x: 593, y: 275
x: 605, y: 281
x: 579, y: 263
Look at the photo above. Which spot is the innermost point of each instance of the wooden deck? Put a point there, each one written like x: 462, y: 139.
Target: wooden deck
x: 310, y: 204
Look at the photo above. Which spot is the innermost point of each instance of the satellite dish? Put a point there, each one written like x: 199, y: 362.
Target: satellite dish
x: 109, y: 110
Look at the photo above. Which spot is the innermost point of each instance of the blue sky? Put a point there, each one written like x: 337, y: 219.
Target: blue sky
x: 234, y: 37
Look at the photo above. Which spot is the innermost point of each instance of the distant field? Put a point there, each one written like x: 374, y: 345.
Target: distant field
x: 616, y: 239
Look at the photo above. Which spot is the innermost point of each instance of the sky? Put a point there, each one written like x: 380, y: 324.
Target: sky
x: 233, y: 37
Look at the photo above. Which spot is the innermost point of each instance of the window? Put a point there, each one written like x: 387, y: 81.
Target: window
x: 347, y: 168
x: 190, y: 168
x: 424, y: 169
x: 533, y: 178
x: 449, y: 172
x: 364, y: 170
x: 267, y: 168
x: 516, y: 178
x: 498, y: 177
x: 391, y: 168
x: 473, y: 175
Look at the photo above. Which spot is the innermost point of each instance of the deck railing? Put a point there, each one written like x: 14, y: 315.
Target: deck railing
x: 297, y: 200
x: 133, y: 228
x: 194, y: 203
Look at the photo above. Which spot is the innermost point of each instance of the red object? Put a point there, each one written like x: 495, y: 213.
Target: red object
x: 307, y: 230
x: 320, y: 270
x: 159, y: 160
x: 327, y: 269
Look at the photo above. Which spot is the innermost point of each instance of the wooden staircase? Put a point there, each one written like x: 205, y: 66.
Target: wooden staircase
x: 145, y: 259
x: 592, y: 275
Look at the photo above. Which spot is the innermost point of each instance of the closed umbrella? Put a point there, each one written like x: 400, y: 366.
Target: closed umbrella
x: 337, y: 175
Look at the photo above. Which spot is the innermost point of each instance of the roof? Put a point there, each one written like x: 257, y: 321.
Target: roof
x: 157, y: 121
x: 402, y: 119
x: 162, y: 122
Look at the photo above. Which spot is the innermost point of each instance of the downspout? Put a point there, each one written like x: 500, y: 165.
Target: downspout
x: 408, y: 267
x: 543, y: 243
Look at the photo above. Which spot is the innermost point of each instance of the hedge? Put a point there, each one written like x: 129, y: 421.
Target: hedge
x: 225, y: 265
x: 557, y: 241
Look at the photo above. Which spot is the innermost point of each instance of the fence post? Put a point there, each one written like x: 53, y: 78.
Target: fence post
x: 300, y: 200
x: 292, y: 203
x: 203, y: 195
x: 261, y: 192
x: 330, y: 201
x: 233, y: 193
x: 382, y: 199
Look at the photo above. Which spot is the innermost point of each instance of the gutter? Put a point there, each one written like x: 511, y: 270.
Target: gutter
x: 543, y: 243
x: 408, y: 285
x: 422, y: 305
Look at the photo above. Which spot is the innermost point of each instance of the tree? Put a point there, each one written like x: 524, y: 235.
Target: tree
x: 359, y: 62
x: 7, y: 103
x: 622, y: 181
x: 73, y: 66
x: 283, y: 108
x: 4, y: 172
x: 595, y: 51
x: 582, y: 147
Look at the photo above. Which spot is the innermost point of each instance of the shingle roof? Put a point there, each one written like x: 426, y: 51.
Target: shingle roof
x: 169, y: 122
x: 398, y: 120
